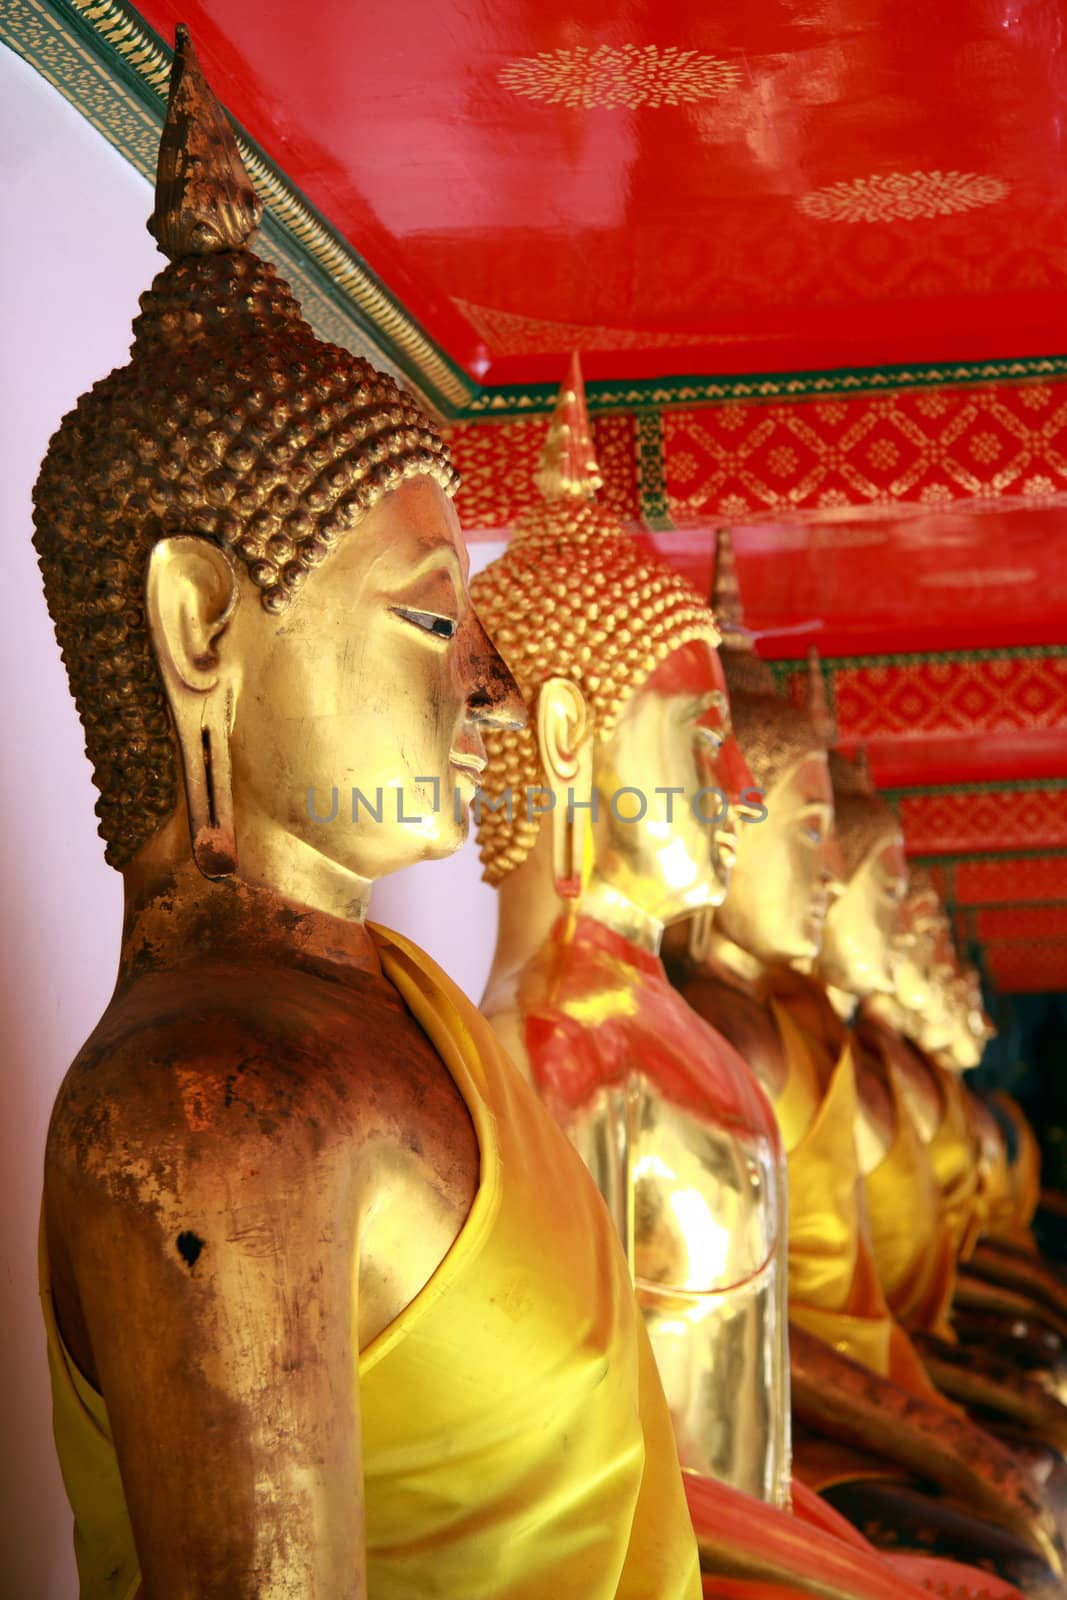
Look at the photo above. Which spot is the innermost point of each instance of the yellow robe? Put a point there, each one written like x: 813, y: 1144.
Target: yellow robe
x: 913, y: 1241
x: 516, y: 1442
x: 834, y: 1288
x: 1025, y: 1176
x: 954, y: 1153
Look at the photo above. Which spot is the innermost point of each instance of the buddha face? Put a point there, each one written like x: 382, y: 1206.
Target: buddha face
x: 978, y: 1019
x: 942, y: 1022
x: 863, y: 923
x: 373, y: 684
x: 965, y: 1046
x: 665, y: 845
x: 915, y: 951
x: 778, y: 895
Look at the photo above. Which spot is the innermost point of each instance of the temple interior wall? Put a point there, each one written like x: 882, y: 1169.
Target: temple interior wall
x: 77, y: 257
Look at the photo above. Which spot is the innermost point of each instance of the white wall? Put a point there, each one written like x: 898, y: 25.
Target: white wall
x: 76, y: 257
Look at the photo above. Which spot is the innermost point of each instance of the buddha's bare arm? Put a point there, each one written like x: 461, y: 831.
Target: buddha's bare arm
x: 209, y: 1235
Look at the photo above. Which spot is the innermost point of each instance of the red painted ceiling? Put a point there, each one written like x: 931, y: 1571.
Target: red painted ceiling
x: 952, y: 580
x: 779, y: 186
x: 708, y: 235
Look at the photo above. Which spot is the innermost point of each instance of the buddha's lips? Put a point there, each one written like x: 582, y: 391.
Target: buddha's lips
x: 473, y: 766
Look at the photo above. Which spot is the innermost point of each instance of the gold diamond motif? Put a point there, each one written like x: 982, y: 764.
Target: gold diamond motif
x: 630, y: 76
x: 902, y: 196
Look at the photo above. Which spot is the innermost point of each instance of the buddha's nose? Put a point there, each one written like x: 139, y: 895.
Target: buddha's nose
x: 495, y: 701
x: 834, y: 871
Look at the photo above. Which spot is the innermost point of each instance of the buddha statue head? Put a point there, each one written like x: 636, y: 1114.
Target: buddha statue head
x: 256, y: 573
x: 614, y: 790
x: 862, y: 929
x: 979, y: 1021
x: 967, y: 1042
x: 780, y: 885
x: 916, y: 988
x: 926, y: 966
x: 948, y: 1026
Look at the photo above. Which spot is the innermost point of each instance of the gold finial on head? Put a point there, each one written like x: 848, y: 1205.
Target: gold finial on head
x: 205, y: 202
x: 770, y: 731
x: 822, y: 718
x: 863, y: 820
x: 726, y: 596
x: 568, y: 468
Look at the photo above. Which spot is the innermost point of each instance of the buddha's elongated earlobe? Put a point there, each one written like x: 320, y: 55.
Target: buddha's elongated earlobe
x: 566, y: 750
x: 700, y: 925
x: 191, y: 593
x: 211, y: 826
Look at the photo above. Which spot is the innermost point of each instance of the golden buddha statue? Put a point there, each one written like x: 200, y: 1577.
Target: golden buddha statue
x: 866, y: 1409
x: 601, y: 820
x: 631, y: 720
x: 332, y: 1306
x: 914, y: 1135
x: 1005, y: 1299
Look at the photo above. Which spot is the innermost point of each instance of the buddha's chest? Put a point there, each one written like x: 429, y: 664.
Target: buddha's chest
x: 418, y: 1170
x: 694, y: 1183
x: 683, y: 1146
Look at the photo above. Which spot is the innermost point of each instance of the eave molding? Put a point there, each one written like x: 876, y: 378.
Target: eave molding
x: 114, y: 70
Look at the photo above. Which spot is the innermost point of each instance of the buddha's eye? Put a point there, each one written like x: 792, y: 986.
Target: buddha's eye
x: 428, y: 621
x: 813, y: 829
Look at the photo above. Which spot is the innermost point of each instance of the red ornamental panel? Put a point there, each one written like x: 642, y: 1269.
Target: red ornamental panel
x: 733, y: 462
x: 1018, y: 967
x: 907, y: 698
x: 1033, y: 924
x: 1005, y: 819
x: 807, y: 460
x: 1021, y: 878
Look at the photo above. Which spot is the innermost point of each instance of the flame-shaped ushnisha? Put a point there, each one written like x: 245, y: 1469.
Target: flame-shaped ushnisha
x: 574, y: 595
x: 568, y: 468
x: 862, y: 819
x: 231, y: 422
x: 773, y: 734
x: 205, y: 201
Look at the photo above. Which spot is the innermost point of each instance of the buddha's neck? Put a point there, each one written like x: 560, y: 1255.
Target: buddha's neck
x: 173, y: 915
x: 529, y: 909
x: 844, y: 1004
x: 606, y: 904
x: 733, y: 965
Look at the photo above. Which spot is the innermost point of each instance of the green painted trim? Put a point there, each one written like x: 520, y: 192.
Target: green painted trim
x: 113, y: 68
x: 651, y: 472
x: 786, y: 667
x: 835, y: 383
x: 1013, y: 905
x: 968, y: 857
x: 918, y: 791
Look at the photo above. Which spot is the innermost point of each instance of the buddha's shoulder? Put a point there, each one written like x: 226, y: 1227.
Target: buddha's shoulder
x: 744, y: 1023
x: 241, y: 1059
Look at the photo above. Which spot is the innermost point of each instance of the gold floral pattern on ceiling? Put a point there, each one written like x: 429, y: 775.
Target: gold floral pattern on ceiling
x: 509, y: 334
x: 902, y: 196
x: 610, y: 77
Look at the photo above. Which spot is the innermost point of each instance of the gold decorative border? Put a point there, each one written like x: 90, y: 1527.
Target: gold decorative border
x: 82, y: 46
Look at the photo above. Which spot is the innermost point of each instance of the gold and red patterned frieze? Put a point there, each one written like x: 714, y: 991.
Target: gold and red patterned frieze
x: 809, y: 459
